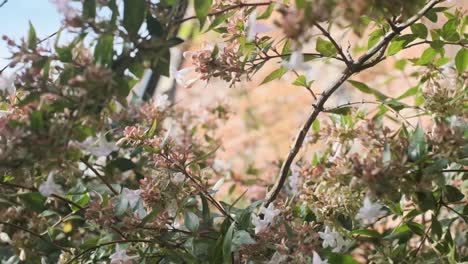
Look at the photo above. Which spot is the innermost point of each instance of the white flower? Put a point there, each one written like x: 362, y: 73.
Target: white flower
x: 334, y: 240
x: 132, y: 196
x: 221, y: 165
x: 295, y: 180
x: 451, y: 166
x: 177, y: 178
x: 98, y: 164
x: 121, y: 256
x: 370, y: 212
x: 337, y: 149
x: 317, y: 260
x: 7, y: 84
x: 49, y: 187
x: 269, y: 214
x: 98, y: 147
x: 296, y: 61
x: 185, y: 77
x: 254, y: 28
x: 277, y: 258
x: 162, y: 101
x: 64, y: 7
x: 218, y: 185
x: 4, y: 113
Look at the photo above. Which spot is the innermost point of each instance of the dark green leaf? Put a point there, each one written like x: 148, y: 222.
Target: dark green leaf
x: 155, y: 28
x: 267, y: 13
x: 366, y: 232
x: 337, y: 258
x: 436, y: 228
x: 134, y: 15
x: 416, y: 228
x: 453, y: 194
x: 33, y: 201
x: 89, y: 9
x: 104, y: 50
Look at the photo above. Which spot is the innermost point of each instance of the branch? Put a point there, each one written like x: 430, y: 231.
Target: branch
x: 327, y: 34
x: 100, y: 176
x: 34, y: 234
x: 318, y: 108
x: 238, y: 6
x: 3, y: 3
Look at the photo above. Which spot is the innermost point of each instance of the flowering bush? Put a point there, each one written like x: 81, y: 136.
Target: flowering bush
x: 91, y: 172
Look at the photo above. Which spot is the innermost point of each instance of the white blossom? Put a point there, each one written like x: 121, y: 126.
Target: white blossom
x: 98, y: 147
x: 295, y: 180
x: 221, y: 165
x: 269, y: 214
x: 162, y: 101
x: 277, y: 258
x: 177, y: 178
x: 370, y: 211
x: 254, y: 28
x: 64, y: 7
x: 120, y: 257
x: 98, y: 165
x: 296, y: 61
x: 317, y: 260
x: 49, y: 187
x: 132, y: 196
x: 185, y: 77
x: 4, y: 113
x: 7, y: 84
x: 337, y: 149
x: 334, y: 240
x: 218, y: 185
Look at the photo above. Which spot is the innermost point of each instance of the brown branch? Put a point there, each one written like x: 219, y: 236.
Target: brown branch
x: 238, y: 6
x: 318, y: 108
x: 99, y: 176
x: 34, y: 234
x: 327, y: 34
x: 3, y: 3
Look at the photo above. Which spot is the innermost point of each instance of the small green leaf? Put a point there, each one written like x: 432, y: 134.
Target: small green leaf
x: 191, y: 221
x: 134, y: 15
x: 449, y: 30
x: 420, y: 30
x: 300, y: 81
x: 89, y: 9
x: 337, y: 258
x: 416, y: 228
x: 325, y: 48
x: 345, y: 110
x: 267, y: 13
x: 395, y: 47
x: 453, y: 194
x: 374, y: 37
x: 436, y: 228
x: 276, y: 74
x: 32, y: 37
x: 227, y: 244
x: 155, y: 28
x: 104, y: 50
x: 240, y: 238
x: 202, y: 8
x: 461, y: 60
x: 427, y: 56
x: 153, y: 128
x: 366, y: 232
x: 417, y: 147
x: 368, y: 90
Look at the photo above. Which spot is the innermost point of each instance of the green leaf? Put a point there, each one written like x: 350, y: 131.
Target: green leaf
x: 155, y: 28
x: 325, y: 48
x: 134, y: 15
x: 410, y: 92
x: 121, y: 206
x: 368, y: 90
x: 32, y: 37
x: 427, y: 56
x: 206, y: 210
x: 202, y: 8
x: 417, y: 147
x: 461, y: 60
x: 346, y: 110
x: 191, y: 221
x: 374, y: 37
x: 153, y: 128
x: 420, y: 30
x: 89, y: 9
x: 436, y: 228
x: 149, y: 217
x: 37, y: 120
x: 449, y: 30
x: 122, y: 164
x: 267, y: 13
x: 416, y: 228
x: 395, y: 47
x: 337, y: 258
x: 219, y: 20
x: 227, y: 244
x: 453, y: 194
x: 300, y: 81
x: 104, y: 50
x: 366, y: 232
x: 316, y: 126
x: 276, y: 74
x: 33, y: 201
x: 240, y: 238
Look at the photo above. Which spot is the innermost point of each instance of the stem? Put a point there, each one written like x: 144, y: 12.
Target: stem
x: 238, y: 6
x: 99, y: 175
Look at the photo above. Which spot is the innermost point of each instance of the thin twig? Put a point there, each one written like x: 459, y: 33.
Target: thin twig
x: 3, y: 3
x: 99, y: 175
x: 327, y: 34
x: 238, y: 6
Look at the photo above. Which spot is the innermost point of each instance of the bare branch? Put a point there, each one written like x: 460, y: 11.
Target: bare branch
x: 99, y: 176
x: 327, y: 34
